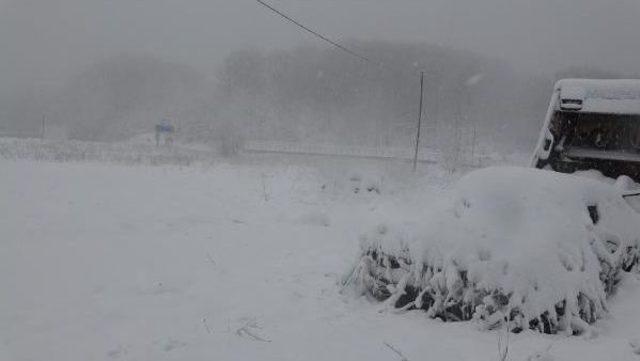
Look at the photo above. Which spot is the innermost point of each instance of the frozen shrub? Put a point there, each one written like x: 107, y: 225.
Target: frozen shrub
x: 542, y: 250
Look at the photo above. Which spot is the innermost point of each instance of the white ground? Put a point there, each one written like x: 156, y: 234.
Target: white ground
x: 233, y: 261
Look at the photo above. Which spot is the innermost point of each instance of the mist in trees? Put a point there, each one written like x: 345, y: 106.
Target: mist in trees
x: 316, y: 95
x: 126, y: 95
x: 319, y: 95
x: 307, y: 94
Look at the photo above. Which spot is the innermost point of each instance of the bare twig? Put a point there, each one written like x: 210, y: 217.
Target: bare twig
x: 206, y: 325
x: 264, y: 188
x: 635, y: 346
x: 244, y: 330
x: 503, y: 342
x: 396, y: 351
x: 211, y: 259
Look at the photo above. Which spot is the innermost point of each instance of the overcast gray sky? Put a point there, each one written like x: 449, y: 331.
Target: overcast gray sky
x: 44, y: 41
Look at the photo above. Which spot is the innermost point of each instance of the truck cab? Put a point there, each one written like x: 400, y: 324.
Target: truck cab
x: 592, y: 124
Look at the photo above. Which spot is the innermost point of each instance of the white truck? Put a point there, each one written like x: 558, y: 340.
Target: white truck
x: 592, y: 124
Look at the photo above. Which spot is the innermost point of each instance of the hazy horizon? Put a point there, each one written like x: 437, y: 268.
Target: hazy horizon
x: 119, y: 65
x: 45, y: 42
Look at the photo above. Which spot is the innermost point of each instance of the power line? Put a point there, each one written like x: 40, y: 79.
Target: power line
x: 361, y: 57
x: 313, y: 32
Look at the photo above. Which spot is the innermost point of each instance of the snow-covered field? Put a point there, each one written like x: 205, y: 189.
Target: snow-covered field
x: 236, y: 260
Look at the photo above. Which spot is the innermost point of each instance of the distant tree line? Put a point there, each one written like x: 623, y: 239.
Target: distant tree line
x: 312, y: 94
x: 305, y: 94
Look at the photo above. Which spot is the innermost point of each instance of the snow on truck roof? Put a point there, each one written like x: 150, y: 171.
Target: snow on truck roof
x: 613, y: 96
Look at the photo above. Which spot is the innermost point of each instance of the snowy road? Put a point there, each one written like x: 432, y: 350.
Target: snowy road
x: 228, y: 262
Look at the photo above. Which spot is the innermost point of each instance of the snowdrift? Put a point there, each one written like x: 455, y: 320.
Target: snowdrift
x: 538, y: 249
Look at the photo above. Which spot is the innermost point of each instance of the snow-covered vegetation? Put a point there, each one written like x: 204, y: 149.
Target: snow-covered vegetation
x: 534, y: 248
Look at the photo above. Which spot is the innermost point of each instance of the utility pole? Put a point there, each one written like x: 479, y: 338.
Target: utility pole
x: 43, y: 129
x: 415, y: 155
x: 473, y: 144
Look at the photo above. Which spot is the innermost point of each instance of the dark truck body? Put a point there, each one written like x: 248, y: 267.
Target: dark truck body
x: 592, y: 124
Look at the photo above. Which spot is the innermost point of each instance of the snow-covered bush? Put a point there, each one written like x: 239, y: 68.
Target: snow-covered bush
x: 540, y: 249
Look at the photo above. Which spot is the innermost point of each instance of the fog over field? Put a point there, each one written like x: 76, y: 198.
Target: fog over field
x: 319, y: 180
x: 109, y: 70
